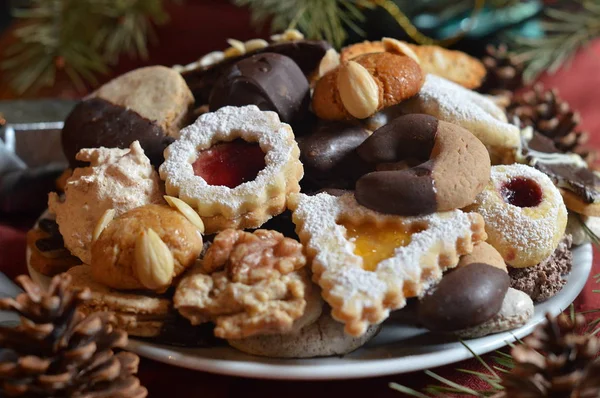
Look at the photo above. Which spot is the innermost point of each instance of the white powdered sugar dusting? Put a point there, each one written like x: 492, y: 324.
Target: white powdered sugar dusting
x: 453, y: 103
x: 249, y: 123
x: 526, y: 229
x: 320, y: 214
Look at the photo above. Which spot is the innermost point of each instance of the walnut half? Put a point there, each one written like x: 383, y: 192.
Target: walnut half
x: 248, y: 284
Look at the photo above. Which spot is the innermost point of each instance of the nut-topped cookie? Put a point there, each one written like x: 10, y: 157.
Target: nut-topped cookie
x: 365, y: 85
x: 367, y: 263
x: 248, y: 284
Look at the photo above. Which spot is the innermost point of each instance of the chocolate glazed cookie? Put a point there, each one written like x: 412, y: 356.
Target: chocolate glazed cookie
x: 453, y: 166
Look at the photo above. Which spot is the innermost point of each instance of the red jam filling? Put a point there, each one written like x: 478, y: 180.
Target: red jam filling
x: 522, y: 192
x: 230, y: 163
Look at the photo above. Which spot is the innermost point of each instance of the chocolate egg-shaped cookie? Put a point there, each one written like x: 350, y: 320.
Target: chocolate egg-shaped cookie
x: 328, y: 154
x: 148, y: 105
x: 307, y: 54
x: 273, y: 82
x: 464, y: 298
x: 453, y: 166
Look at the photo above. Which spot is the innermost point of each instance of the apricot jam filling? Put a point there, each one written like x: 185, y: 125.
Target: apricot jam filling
x: 375, y: 243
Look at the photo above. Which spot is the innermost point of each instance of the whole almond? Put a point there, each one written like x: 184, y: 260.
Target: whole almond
x: 237, y: 48
x: 186, y: 210
x: 399, y: 47
x: 329, y: 62
x: 359, y: 91
x: 106, y: 218
x: 154, y: 263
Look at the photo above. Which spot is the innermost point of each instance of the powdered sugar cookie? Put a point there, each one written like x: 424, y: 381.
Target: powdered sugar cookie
x: 524, y: 214
x: 452, y: 103
x: 235, y: 166
x: 368, y: 263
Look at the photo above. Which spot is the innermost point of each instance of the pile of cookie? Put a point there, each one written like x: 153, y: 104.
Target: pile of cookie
x: 293, y: 197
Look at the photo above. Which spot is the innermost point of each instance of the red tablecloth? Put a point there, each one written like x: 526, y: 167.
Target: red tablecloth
x: 579, y: 84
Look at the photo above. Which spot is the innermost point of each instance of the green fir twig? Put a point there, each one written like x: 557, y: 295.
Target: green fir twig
x: 565, y: 33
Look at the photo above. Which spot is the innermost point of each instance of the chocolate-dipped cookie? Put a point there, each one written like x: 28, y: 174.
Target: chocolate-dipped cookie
x: 305, y: 53
x: 568, y: 171
x: 273, y: 82
x: 464, y: 298
x: 453, y: 166
x: 149, y: 105
x: 329, y: 156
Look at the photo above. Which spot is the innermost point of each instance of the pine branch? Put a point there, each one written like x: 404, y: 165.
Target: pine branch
x: 81, y: 38
x: 565, y: 33
x: 317, y: 19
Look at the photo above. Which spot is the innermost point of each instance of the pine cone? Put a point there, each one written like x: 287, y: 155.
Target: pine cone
x: 549, y: 115
x: 555, y: 361
x: 504, y: 71
x: 58, y: 352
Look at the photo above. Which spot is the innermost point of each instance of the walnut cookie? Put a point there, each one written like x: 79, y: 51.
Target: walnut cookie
x: 368, y: 263
x: 251, y: 203
x: 249, y: 284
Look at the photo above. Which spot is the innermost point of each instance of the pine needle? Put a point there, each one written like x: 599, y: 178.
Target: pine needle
x: 82, y: 38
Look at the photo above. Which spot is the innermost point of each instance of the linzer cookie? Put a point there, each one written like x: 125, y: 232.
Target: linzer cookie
x: 361, y: 87
x: 524, y: 214
x: 453, y: 167
x: 148, y: 105
x: 452, y: 103
x: 368, y: 263
x: 273, y: 82
x: 235, y: 166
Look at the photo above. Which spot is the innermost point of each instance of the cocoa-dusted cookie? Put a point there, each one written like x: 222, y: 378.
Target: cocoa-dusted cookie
x: 453, y: 167
x: 360, y: 87
x: 545, y: 279
x: 453, y: 65
x: 149, y: 105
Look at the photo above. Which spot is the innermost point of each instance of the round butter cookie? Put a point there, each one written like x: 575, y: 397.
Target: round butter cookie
x: 525, y: 217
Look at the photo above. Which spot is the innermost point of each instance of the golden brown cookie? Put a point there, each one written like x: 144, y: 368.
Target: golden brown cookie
x: 366, y: 47
x: 574, y: 203
x: 453, y: 65
x: 145, y: 248
x: 360, y: 87
x: 143, y: 315
x: 483, y: 253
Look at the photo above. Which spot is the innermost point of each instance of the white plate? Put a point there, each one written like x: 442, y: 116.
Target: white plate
x: 399, y: 348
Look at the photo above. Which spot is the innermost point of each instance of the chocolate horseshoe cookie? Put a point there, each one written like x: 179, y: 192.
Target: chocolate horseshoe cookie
x: 452, y: 167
